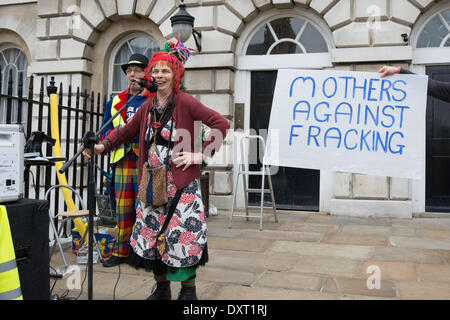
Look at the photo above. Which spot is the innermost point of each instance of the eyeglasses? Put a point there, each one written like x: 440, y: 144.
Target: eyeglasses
x: 136, y: 70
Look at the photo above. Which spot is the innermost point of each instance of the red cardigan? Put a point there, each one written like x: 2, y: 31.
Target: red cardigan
x: 187, y: 110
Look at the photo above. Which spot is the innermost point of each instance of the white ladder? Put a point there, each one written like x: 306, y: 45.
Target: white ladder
x: 245, y: 173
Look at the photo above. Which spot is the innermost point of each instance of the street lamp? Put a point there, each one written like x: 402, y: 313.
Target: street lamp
x: 183, y: 25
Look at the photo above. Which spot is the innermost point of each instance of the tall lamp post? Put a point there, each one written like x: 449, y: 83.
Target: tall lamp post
x: 183, y: 25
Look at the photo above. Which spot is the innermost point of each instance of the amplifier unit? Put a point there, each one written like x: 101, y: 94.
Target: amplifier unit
x: 12, y: 144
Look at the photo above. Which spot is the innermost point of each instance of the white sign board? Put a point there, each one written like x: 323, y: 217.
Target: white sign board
x: 349, y: 121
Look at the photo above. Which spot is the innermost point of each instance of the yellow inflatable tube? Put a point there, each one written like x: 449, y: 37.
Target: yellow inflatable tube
x: 57, y: 153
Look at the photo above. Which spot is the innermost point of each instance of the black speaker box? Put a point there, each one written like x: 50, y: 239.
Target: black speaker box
x: 29, y: 223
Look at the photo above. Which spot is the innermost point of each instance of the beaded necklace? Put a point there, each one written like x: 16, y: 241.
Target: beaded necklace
x: 156, y: 124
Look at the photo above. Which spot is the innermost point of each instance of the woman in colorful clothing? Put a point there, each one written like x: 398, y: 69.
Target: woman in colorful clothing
x: 166, y: 125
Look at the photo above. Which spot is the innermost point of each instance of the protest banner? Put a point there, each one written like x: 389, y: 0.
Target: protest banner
x: 349, y: 121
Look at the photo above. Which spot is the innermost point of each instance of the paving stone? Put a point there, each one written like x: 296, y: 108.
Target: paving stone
x: 411, y: 255
x: 359, y: 287
x: 299, y: 216
x: 321, y: 219
x: 283, y: 216
x: 405, y: 231
x: 363, y: 221
x: 434, y: 233
x: 251, y: 261
x: 281, y: 235
x: 225, y: 275
x: 309, y: 227
x: 360, y: 297
x: 253, y: 223
x: 294, y: 281
x: 431, y: 223
x: 420, y: 243
x: 233, y: 292
x: 104, y: 283
x: 206, y: 290
x: 390, y: 270
x: 379, y: 230
x: 239, y: 244
x: 245, y: 263
x: 433, y: 272
x: 323, y: 249
x: 364, y: 240
x: 366, y: 230
x: 424, y: 290
x: 327, y: 266
x: 223, y: 232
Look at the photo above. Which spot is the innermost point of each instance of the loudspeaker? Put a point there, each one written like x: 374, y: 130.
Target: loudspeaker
x: 29, y: 223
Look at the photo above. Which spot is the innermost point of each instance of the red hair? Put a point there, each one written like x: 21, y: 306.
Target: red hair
x: 174, y: 64
x: 175, y: 55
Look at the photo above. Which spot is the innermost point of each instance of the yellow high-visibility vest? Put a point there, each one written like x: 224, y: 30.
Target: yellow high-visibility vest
x: 118, y: 122
x: 9, y: 275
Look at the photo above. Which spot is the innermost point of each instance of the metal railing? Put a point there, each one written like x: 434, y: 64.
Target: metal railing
x: 80, y: 113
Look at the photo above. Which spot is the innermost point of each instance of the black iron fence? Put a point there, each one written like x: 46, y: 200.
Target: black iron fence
x: 79, y: 113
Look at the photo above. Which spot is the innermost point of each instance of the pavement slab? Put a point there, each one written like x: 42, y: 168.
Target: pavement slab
x: 323, y: 249
x: 281, y: 235
x: 225, y: 232
x: 433, y: 272
x: 429, y: 290
x: 239, y: 244
x: 362, y: 221
x: 327, y: 266
x: 306, y: 256
x: 320, y: 219
x: 379, y: 230
x: 390, y: 270
x: 431, y: 223
x: 356, y: 239
x: 290, y: 280
x: 435, y: 233
x: 411, y: 255
x: 420, y: 243
x: 251, y: 261
x: 223, y: 275
x: 233, y: 292
x: 309, y: 227
x: 366, y: 230
x: 359, y: 287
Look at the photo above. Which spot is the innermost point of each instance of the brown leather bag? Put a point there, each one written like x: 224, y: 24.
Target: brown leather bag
x: 153, y: 184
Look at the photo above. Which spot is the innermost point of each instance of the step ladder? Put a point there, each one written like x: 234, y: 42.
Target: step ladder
x: 245, y: 173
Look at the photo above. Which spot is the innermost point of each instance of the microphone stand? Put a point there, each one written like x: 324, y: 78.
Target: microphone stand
x: 89, y: 140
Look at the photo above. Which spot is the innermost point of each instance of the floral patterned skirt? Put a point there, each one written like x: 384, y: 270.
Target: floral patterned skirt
x: 185, y: 234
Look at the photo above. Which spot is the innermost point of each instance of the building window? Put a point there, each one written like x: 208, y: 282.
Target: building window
x: 13, y: 65
x: 124, y: 49
x: 436, y: 33
x: 287, y: 35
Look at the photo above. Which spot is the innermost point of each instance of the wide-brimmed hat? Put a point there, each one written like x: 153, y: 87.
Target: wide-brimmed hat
x: 136, y: 59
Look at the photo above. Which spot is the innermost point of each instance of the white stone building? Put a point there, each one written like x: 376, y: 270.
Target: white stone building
x: 244, y: 42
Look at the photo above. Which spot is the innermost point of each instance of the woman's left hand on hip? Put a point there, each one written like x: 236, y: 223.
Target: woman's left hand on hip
x: 187, y: 159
